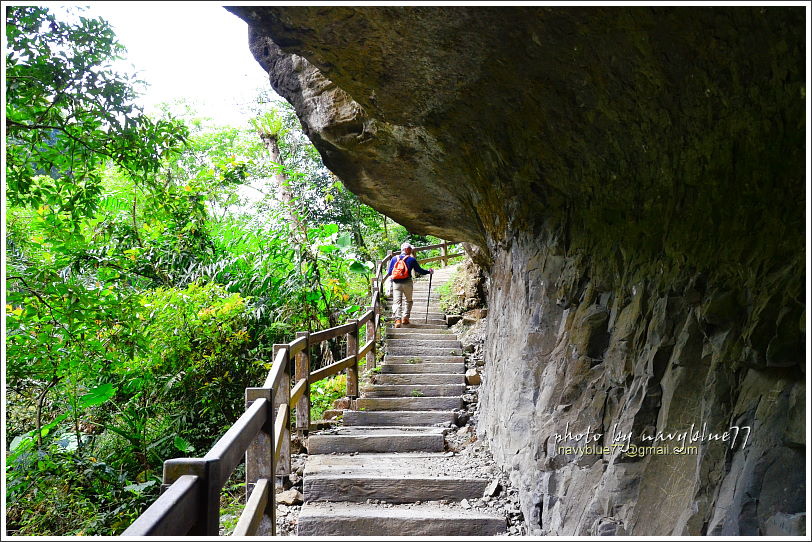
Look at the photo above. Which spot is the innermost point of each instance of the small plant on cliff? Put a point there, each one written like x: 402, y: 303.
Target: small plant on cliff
x: 417, y: 393
x: 449, y: 301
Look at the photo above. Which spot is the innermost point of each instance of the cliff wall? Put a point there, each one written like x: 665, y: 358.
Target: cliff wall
x: 632, y: 180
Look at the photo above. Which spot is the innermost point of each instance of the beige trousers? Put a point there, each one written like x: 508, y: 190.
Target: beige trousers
x: 402, y: 297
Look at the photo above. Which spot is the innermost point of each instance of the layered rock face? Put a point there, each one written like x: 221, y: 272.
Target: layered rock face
x: 632, y: 179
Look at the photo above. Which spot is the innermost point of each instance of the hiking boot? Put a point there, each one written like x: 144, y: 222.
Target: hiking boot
x: 397, y: 322
x: 406, y: 321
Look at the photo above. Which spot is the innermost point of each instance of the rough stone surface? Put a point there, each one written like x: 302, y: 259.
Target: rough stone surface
x: 632, y: 182
x: 398, y: 418
x: 430, y: 519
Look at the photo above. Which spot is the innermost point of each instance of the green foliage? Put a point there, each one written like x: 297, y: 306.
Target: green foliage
x: 67, y: 112
x: 324, y: 392
x: 150, y: 269
x: 449, y: 302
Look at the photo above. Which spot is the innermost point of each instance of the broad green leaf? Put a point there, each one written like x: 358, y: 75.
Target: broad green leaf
x: 344, y: 241
x: 183, y: 445
x: 98, y: 395
x: 358, y: 267
x: 139, y: 488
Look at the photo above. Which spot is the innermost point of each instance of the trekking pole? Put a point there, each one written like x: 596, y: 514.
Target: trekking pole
x: 428, y: 298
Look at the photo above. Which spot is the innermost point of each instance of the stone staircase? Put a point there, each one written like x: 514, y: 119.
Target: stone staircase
x: 385, y: 472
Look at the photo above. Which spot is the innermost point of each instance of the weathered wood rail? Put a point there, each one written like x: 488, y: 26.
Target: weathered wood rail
x: 190, y: 500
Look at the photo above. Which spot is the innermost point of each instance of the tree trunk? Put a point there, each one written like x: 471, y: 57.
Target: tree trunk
x: 298, y: 227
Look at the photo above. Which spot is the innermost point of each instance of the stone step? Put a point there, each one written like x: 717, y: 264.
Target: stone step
x: 419, y: 378
x: 377, y: 439
x: 409, y: 403
x: 414, y: 325
x: 395, y: 418
x: 425, y: 519
x: 419, y: 310
x: 418, y: 318
x: 433, y: 343
x: 419, y: 368
x: 423, y: 359
x: 425, y: 390
x: 394, y: 478
x: 409, y: 332
x: 419, y: 303
x: 423, y: 351
x: 420, y: 321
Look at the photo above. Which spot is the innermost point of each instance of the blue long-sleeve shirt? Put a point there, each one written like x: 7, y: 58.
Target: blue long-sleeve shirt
x: 411, y: 263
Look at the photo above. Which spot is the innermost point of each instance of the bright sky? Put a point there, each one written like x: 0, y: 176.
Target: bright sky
x: 193, y: 50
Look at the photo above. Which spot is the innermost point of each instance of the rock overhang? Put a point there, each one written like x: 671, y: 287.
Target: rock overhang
x: 667, y: 135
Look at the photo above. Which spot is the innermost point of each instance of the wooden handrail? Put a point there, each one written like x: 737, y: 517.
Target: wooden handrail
x: 297, y: 346
x: 330, y: 333
x: 190, y: 502
x: 277, y: 370
x: 332, y: 369
x: 173, y: 513
x: 364, y: 349
x: 228, y: 451
x: 251, y: 517
x: 367, y: 316
x: 435, y: 258
x: 297, y: 391
x: 279, y: 428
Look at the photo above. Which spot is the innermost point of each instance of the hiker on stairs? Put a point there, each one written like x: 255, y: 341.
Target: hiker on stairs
x: 400, y: 269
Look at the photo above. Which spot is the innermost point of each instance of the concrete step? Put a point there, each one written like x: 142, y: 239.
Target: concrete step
x: 397, y: 418
x: 394, y: 478
x: 409, y: 403
x: 425, y: 390
x: 422, y: 351
x: 420, y: 301
x: 423, y: 359
x: 419, y: 310
x: 432, y: 343
x: 415, y: 326
x: 425, y: 519
x: 408, y: 332
x: 419, y: 368
x: 418, y: 378
x: 417, y: 317
x: 415, y: 321
x: 377, y: 439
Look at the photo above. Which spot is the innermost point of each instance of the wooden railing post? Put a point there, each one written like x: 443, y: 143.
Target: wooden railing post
x: 371, y: 336
x: 281, y: 399
x: 207, y: 513
x: 352, y: 370
x: 445, y: 253
x: 259, y: 455
x: 302, y: 370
